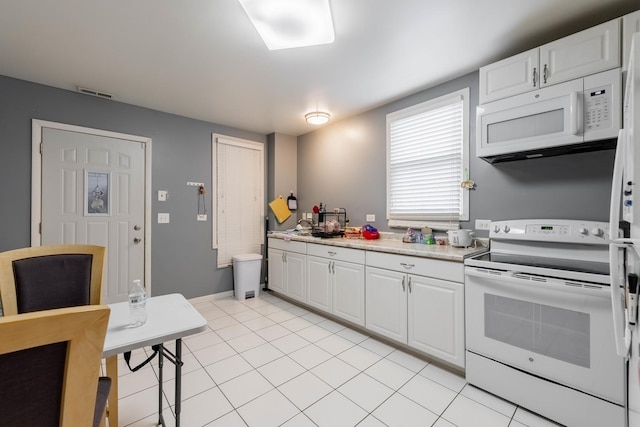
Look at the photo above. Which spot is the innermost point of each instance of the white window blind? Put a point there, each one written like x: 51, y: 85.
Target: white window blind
x: 427, y: 156
x: 239, y: 178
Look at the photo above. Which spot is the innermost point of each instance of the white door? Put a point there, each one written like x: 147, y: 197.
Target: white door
x: 436, y: 318
x: 295, y: 266
x: 319, y: 283
x: 386, y: 303
x: 276, y: 270
x: 348, y: 291
x: 93, y: 192
x: 581, y: 54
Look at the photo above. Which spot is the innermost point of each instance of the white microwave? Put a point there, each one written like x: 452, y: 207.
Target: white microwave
x: 579, y: 115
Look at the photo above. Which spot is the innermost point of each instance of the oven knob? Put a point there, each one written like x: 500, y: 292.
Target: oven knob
x: 583, y: 231
x: 496, y: 229
x: 506, y: 229
x: 597, y: 232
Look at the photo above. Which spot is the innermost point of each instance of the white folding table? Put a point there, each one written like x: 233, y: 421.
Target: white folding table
x: 169, y: 317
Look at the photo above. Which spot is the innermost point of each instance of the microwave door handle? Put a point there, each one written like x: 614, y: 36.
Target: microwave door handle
x: 573, y: 113
x: 616, y: 188
x: 621, y: 333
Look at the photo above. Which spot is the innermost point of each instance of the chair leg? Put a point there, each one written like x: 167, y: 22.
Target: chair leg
x: 112, y: 403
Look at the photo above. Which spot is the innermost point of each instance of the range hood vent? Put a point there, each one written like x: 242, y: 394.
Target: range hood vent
x: 95, y: 92
x: 605, y: 144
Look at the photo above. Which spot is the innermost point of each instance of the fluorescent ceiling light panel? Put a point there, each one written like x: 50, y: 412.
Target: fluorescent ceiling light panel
x: 284, y: 24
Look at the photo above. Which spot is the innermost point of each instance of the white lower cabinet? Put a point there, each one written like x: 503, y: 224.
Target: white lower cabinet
x: 335, y: 281
x: 423, y: 312
x: 415, y: 301
x: 287, y: 268
x: 436, y: 318
x: 386, y: 298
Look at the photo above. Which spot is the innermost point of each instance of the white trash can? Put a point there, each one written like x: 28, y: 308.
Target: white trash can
x: 246, y: 275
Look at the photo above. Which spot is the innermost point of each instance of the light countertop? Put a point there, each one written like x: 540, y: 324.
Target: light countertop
x: 392, y: 243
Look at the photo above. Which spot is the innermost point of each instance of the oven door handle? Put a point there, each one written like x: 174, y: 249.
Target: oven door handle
x: 621, y: 332
x: 557, y: 285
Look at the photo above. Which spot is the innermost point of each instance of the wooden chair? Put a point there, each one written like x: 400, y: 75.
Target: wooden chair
x: 49, y: 367
x: 47, y: 277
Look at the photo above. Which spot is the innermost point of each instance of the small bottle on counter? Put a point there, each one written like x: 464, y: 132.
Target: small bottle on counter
x: 137, y: 304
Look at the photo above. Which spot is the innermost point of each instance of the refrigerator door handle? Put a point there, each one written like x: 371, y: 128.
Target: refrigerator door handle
x: 616, y: 189
x: 621, y: 332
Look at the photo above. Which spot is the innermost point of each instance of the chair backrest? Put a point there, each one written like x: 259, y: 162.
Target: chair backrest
x: 49, y: 366
x: 48, y: 277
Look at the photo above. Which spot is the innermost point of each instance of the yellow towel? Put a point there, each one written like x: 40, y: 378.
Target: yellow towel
x: 280, y: 209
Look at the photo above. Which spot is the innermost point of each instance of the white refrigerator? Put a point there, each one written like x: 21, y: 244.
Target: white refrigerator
x: 625, y: 252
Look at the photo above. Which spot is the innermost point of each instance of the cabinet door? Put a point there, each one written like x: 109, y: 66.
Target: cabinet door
x: 630, y: 25
x: 436, y: 318
x: 386, y: 303
x: 319, y: 279
x: 295, y: 271
x: 348, y: 291
x: 276, y: 270
x: 511, y: 76
x: 581, y: 54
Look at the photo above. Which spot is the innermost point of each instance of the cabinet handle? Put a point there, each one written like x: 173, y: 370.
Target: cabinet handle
x: 329, y: 265
x: 409, y: 284
x: 331, y: 253
x: 407, y: 266
x: 403, y: 288
x: 535, y: 76
x: 545, y: 73
x: 284, y: 257
x: 333, y: 267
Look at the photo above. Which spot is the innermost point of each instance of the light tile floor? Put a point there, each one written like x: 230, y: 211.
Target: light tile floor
x: 266, y: 362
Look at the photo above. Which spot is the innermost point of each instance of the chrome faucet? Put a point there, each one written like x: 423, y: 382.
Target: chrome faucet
x: 300, y: 221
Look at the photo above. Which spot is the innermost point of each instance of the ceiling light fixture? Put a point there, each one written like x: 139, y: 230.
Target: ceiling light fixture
x: 285, y: 24
x: 317, y: 118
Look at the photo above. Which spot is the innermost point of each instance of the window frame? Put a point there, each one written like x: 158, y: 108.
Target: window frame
x: 437, y: 221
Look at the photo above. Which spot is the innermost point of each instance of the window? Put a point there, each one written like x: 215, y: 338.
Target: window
x: 238, y: 173
x: 427, y: 159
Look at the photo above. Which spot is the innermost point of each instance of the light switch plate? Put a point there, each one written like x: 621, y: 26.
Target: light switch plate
x: 163, y: 218
x: 163, y: 195
x: 371, y: 217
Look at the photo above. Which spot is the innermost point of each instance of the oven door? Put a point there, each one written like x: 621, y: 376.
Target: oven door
x: 557, y: 329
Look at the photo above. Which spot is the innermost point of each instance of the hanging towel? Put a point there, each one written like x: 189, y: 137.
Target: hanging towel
x: 280, y: 209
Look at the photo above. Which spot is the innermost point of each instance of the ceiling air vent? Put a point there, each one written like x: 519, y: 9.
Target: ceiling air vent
x: 94, y: 92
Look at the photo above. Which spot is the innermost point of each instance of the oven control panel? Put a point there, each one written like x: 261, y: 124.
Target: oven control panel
x: 558, y: 230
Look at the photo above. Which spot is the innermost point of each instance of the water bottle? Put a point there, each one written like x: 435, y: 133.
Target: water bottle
x: 137, y: 304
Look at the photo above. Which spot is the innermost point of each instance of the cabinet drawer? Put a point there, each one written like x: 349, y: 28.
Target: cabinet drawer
x: 290, y: 246
x: 439, y: 269
x: 336, y: 253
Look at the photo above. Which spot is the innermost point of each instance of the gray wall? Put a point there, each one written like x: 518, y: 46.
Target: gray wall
x: 344, y: 165
x: 182, y: 258
x: 282, y: 175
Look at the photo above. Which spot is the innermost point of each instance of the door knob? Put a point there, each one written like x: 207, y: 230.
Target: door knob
x: 137, y: 240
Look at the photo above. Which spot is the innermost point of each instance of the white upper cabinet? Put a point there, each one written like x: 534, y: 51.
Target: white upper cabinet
x: 581, y: 54
x: 511, y: 76
x: 630, y: 25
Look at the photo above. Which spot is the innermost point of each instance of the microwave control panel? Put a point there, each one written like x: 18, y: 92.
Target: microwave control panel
x: 597, y: 108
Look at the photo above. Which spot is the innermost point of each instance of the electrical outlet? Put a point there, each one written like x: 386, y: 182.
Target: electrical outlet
x: 483, y: 224
x: 371, y: 217
x: 163, y: 218
x: 202, y: 217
